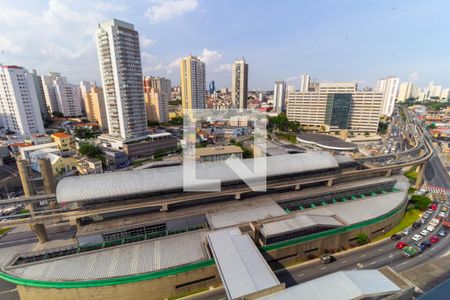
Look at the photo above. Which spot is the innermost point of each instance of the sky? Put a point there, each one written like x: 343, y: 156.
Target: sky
x: 345, y: 40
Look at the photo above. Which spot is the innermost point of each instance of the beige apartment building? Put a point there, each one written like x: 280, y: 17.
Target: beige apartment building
x: 95, y: 107
x: 192, y: 82
x: 335, y: 106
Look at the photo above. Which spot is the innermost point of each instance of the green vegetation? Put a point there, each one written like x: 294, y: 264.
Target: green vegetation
x: 175, y: 102
x: 57, y: 114
x: 362, y: 238
x: 411, y: 190
x: 152, y: 123
x: 410, y: 217
x: 420, y: 202
x: 86, y: 133
x: 246, y: 152
x: 431, y: 126
x: 24, y: 211
x: 382, y: 127
x: 411, y: 174
x: 281, y: 123
x: 4, y: 230
x: 92, y: 151
x: 176, y: 121
x: 290, y: 137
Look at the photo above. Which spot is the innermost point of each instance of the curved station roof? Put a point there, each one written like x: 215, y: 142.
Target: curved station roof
x: 121, y: 184
x: 326, y: 141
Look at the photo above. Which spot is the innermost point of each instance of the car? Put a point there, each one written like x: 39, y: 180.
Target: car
x: 433, y: 206
x: 424, y: 232
x: 430, y: 228
x: 410, y: 251
x: 426, y: 216
x: 423, y: 221
x: 435, y: 221
x: 401, y: 245
x: 417, y: 237
x: 424, y: 245
x: 434, y: 239
x: 429, y: 211
x: 442, y: 232
x: 396, y: 237
x: 444, y: 209
x: 416, y: 224
x: 327, y: 259
x: 442, y: 214
x: 407, y: 231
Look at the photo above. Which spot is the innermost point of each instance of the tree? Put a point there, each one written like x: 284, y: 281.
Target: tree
x: 420, y: 202
x: 281, y: 123
x: 362, y: 238
x: 382, y: 127
x: 366, y: 133
x: 92, y: 151
x: 176, y: 121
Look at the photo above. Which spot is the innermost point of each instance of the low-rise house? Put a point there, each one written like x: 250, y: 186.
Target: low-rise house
x: 211, y: 154
x: 90, y: 166
x: 65, y: 142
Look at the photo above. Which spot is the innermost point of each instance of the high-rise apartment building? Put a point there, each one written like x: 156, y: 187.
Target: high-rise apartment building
x: 192, y: 81
x: 121, y: 73
x: 389, y: 87
x: 279, y: 96
x: 157, y: 94
x: 40, y: 94
x: 239, y: 84
x: 85, y: 88
x: 62, y: 96
x: 304, y: 83
x: 290, y: 88
x: 407, y: 90
x: 212, y: 87
x: 95, y: 107
x: 19, y: 106
x: 336, y: 105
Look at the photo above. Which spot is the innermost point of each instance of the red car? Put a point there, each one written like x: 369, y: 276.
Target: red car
x: 434, y: 239
x: 401, y: 245
x: 433, y: 206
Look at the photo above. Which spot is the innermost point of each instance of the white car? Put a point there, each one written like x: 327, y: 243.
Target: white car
x: 417, y: 237
x: 442, y: 214
x: 430, y: 228
x: 424, y: 232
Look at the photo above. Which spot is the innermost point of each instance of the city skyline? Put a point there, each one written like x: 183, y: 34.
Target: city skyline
x: 363, y: 53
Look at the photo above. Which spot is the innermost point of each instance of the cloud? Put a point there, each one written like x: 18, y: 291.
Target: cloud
x: 164, y: 10
x: 146, y: 42
x: 223, y: 68
x: 293, y: 78
x: 414, y: 76
x: 174, y: 65
x: 210, y: 56
x: 116, y: 7
x: 7, y: 46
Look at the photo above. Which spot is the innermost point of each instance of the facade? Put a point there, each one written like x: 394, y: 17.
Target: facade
x: 407, y: 90
x: 65, y: 142
x: 40, y: 94
x: 19, y: 104
x: 90, y: 166
x: 157, y: 94
x: 304, y: 83
x: 389, y: 87
x: 279, y: 96
x: 62, y: 96
x: 85, y: 88
x: 336, y: 106
x: 211, y: 154
x: 239, y: 84
x: 121, y: 73
x: 153, y: 144
x: 115, y: 159
x: 95, y: 107
x: 192, y: 81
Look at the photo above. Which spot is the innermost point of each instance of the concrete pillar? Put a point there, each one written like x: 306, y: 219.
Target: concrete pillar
x: 47, y: 175
x: 330, y: 182
x: 297, y: 187
x: 40, y: 231
x: 420, y: 175
x: 389, y: 173
x: 237, y: 196
x: 24, y: 173
x: 164, y: 207
x: 30, y: 207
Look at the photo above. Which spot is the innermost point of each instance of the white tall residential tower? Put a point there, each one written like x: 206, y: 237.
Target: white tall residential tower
x: 62, y: 96
x: 19, y: 106
x: 121, y: 71
x: 304, y: 83
x: 389, y: 87
x: 407, y: 90
x: 279, y: 96
x: 239, y: 84
x: 192, y: 82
